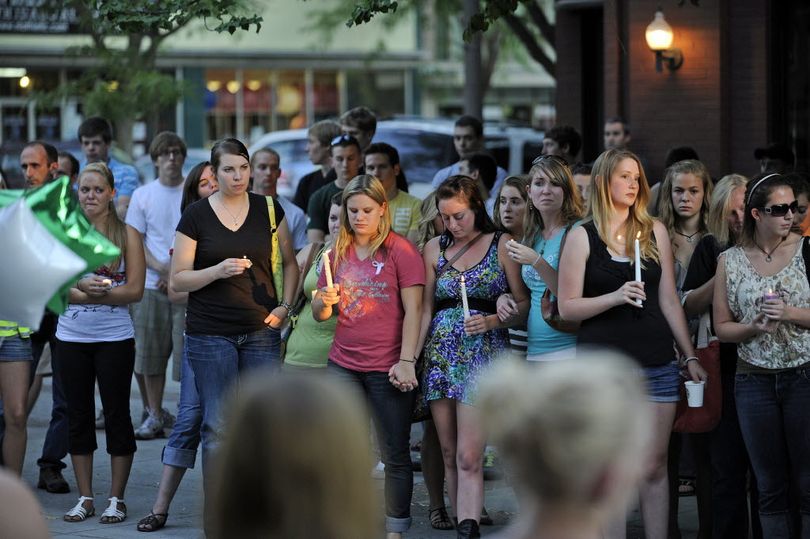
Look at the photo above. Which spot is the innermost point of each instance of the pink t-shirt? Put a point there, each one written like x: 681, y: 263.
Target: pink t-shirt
x: 370, y: 313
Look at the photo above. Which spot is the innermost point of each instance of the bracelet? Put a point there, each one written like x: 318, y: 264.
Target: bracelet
x: 690, y: 358
x: 286, y: 306
x: 537, y: 259
x: 408, y: 360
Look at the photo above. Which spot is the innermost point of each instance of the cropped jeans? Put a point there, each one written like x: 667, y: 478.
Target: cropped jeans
x: 775, y: 425
x: 181, y: 449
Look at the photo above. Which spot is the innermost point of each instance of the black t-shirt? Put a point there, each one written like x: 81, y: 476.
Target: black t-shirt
x: 703, y: 267
x: 307, y: 186
x: 238, y: 304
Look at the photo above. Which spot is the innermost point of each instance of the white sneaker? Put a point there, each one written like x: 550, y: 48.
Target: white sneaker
x: 100, y: 420
x: 150, y: 429
x: 378, y: 472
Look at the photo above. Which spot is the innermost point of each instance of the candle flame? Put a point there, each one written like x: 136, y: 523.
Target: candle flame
x: 638, y: 235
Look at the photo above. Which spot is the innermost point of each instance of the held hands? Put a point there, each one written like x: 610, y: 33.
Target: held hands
x: 403, y: 376
x: 476, y: 324
x: 696, y: 371
x: 94, y: 286
x: 330, y: 295
x: 276, y: 317
x: 762, y: 324
x: 774, y: 309
x: 629, y: 293
x: 232, y: 266
x: 520, y: 253
x: 506, y: 307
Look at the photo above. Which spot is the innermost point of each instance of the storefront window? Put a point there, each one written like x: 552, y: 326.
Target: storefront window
x: 383, y: 91
x: 326, y: 96
x: 289, y: 105
x: 221, y: 87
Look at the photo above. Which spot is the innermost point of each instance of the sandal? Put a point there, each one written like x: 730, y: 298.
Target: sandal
x: 439, y: 519
x: 113, y: 515
x: 79, y: 512
x: 152, y: 522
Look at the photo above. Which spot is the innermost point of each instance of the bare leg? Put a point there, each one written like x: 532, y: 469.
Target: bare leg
x: 121, y: 465
x: 83, y: 470
x: 142, y: 388
x: 654, y: 490
x: 444, y: 417
x: 155, y: 384
x: 469, y: 454
x: 14, y: 379
x: 432, y: 464
x: 169, y: 481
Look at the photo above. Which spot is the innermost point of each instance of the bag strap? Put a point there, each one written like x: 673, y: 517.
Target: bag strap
x: 562, y: 244
x: 316, y: 248
x: 458, y: 255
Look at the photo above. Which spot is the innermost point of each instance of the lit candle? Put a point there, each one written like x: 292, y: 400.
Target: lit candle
x: 327, y: 268
x: 464, y: 304
x: 638, y: 262
x: 770, y: 294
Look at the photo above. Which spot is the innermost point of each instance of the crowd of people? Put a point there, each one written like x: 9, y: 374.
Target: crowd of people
x: 491, y: 303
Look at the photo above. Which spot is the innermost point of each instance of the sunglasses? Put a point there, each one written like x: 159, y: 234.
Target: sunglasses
x: 344, y: 139
x: 780, y: 210
x: 551, y: 157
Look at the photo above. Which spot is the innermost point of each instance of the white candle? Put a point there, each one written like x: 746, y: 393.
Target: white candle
x: 464, y: 304
x: 638, y: 262
x: 327, y: 268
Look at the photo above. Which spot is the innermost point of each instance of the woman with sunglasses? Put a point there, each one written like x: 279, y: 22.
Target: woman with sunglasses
x: 762, y: 302
x: 639, y: 317
x: 555, y: 207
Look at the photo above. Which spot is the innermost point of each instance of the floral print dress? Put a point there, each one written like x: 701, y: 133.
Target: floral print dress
x: 454, y: 360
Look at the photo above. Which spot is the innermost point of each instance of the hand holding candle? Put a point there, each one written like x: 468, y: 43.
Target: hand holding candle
x: 327, y: 268
x: 638, y: 261
x: 464, y: 303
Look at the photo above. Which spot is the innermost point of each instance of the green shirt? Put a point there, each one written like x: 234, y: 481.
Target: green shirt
x: 318, y: 208
x: 405, y: 213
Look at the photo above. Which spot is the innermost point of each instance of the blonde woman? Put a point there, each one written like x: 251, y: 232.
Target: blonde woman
x: 378, y: 280
x: 298, y: 426
x: 638, y: 317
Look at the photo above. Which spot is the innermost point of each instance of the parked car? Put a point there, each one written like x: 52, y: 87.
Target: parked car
x: 147, y: 171
x: 424, y: 145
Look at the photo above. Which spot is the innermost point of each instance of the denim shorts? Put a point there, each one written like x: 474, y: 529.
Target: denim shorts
x: 663, y: 382
x: 15, y: 348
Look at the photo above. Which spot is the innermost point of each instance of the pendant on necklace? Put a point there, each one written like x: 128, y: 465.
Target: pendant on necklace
x: 688, y: 239
x: 768, y: 258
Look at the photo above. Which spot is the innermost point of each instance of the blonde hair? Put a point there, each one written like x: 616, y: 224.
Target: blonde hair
x: 639, y: 223
x: 666, y: 211
x: 561, y: 431
x: 294, y: 463
x: 429, y: 210
x: 114, y: 228
x: 559, y: 174
x: 519, y: 182
x: 717, y: 222
x: 372, y: 188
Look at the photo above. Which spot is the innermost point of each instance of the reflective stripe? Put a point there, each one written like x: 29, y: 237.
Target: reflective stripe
x: 11, y: 329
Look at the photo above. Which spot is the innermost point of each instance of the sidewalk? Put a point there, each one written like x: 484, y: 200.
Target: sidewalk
x: 185, y: 518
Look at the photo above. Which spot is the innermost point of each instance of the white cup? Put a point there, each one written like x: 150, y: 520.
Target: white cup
x: 694, y: 393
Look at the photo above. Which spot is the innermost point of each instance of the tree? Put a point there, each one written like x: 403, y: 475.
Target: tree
x: 123, y: 84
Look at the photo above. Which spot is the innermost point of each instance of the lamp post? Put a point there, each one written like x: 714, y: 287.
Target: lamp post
x: 659, y: 39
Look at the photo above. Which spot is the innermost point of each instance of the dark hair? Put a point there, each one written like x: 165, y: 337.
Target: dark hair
x: 386, y: 149
x: 165, y: 140
x: 344, y: 141
x: 51, y: 153
x: 337, y: 199
x: 565, y: 134
x: 800, y: 182
x: 74, y: 163
x: 757, y: 192
x: 96, y: 126
x: 680, y: 153
x: 582, y: 168
x: 618, y: 120
x: 360, y: 117
x: 471, y: 121
x: 227, y: 146
x: 465, y: 188
x: 487, y: 168
x: 192, y: 184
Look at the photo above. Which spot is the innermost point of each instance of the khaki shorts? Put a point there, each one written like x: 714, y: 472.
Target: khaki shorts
x: 155, y: 318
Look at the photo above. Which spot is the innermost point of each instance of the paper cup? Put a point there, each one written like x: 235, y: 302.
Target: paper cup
x: 694, y: 393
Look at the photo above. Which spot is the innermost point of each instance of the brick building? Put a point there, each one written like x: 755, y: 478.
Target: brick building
x: 743, y: 81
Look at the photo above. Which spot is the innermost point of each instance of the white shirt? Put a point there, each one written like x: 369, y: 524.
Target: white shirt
x: 296, y: 222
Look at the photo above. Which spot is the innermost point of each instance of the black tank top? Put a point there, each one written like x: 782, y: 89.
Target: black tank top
x: 643, y: 333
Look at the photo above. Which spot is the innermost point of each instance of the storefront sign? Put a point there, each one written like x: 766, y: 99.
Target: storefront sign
x: 36, y: 17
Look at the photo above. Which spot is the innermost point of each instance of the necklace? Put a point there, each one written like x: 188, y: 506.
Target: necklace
x: 234, y: 217
x: 768, y: 257
x: 687, y: 236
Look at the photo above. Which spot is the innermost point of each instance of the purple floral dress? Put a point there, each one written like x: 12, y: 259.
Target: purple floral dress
x: 454, y: 360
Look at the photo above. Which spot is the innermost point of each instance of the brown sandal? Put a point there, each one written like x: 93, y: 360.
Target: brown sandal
x: 152, y: 522
x: 439, y: 519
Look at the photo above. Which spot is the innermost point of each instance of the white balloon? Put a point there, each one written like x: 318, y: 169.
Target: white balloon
x: 35, y: 265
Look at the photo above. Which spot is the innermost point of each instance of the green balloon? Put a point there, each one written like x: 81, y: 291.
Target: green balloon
x: 57, y: 209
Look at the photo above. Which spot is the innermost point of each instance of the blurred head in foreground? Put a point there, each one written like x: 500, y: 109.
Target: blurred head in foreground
x: 295, y: 462
x: 573, y: 433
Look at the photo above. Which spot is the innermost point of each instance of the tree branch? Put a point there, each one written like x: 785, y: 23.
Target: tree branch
x: 538, y: 17
x: 528, y: 40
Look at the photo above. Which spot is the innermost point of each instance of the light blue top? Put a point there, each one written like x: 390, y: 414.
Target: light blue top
x: 125, y: 176
x: 542, y: 337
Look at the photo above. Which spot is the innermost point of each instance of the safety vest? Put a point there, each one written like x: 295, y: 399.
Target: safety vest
x: 12, y: 329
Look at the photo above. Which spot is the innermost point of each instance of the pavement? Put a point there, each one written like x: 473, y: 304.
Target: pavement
x: 185, y: 515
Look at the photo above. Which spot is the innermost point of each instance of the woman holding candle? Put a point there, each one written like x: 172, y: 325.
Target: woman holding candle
x: 458, y: 348
x: 555, y: 207
x: 772, y: 383
x: 378, y: 281
x: 637, y: 317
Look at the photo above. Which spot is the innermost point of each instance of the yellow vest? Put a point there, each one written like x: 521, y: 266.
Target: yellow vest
x: 12, y: 329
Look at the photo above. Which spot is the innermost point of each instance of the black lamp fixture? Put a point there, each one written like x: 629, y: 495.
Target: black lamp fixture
x: 659, y: 39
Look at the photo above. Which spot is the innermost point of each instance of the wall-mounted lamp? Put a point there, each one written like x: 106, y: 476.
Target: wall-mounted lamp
x: 659, y: 39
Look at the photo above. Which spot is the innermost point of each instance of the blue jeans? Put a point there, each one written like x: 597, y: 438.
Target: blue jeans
x: 391, y: 411
x: 217, y: 362
x: 181, y: 449
x: 775, y: 425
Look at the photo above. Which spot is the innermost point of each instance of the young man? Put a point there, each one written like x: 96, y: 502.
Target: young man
x: 154, y: 212
x: 468, y: 138
x: 266, y: 165
x: 382, y: 162
x: 562, y: 141
x: 68, y: 166
x: 617, y: 133
x: 582, y: 178
x: 319, y: 138
x: 95, y: 136
x: 361, y: 123
x: 482, y: 168
x: 39, y: 162
x: 346, y: 155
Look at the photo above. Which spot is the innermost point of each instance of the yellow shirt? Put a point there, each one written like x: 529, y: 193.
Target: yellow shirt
x: 405, y: 213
